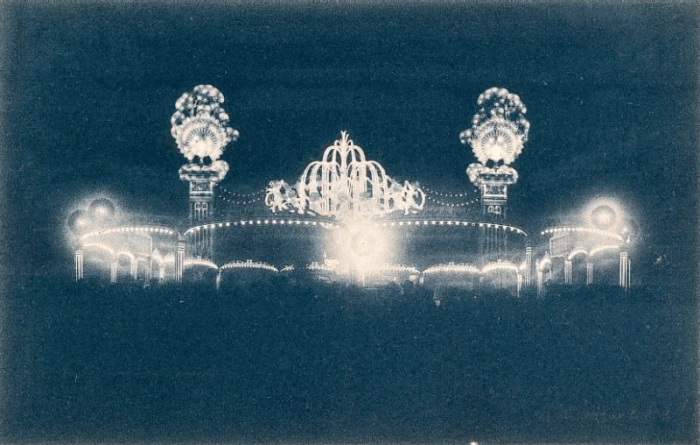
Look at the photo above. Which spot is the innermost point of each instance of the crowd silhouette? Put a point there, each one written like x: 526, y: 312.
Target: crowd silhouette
x: 274, y: 360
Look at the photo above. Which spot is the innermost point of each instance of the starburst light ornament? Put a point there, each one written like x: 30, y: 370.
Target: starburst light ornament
x: 498, y: 133
x: 201, y: 132
x: 200, y: 124
x: 499, y: 129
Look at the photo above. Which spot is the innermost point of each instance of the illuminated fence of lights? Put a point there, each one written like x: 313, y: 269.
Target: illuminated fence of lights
x: 393, y: 268
x: 452, y: 268
x: 154, y: 230
x: 248, y: 264
x: 499, y: 266
x: 453, y: 222
x: 469, y: 269
x: 320, y: 267
x: 260, y: 222
x: 194, y: 262
x: 587, y: 230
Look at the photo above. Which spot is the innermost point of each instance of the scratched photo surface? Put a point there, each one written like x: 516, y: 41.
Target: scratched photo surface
x: 569, y: 318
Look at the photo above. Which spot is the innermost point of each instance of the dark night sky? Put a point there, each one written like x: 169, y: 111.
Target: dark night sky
x: 611, y: 93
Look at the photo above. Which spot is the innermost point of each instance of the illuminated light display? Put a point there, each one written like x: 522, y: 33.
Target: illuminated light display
x: 573, y: 254
x: 344, y: 185
x: 101, y: 210
x: 199, y: 124
x: 135, y: 229
x: 452, y: 268
x: 544, y: 263
x: 499, y: 129
x: 192, y: 262
x: 606, y: 214
x: 498, y: 133
x: 372, y: 227
x: 499, y: 266
x: 601, y: 249
x: 99, y: 246
x: 603, y: 217
x: 362, y: 247
x: 79, y: 221
x: 589, y: 230
x: 250, y: 264
x: 200, y: 128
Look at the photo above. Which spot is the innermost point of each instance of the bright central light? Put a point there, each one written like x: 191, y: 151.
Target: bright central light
x: 362, y: 247
x: 363, y: 243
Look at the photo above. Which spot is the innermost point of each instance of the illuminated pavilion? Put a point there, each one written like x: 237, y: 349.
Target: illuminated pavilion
x: 345, y: 219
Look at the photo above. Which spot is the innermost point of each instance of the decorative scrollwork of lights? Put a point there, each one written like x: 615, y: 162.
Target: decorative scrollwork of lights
x: 201, y: 131
x: 345, y: 184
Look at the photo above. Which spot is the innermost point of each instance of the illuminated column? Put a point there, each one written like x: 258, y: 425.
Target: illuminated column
x: 78, y: 264
x: 520, y: 284
x: 528, y: 266
x: 179, y: 259
x: 161, y: 273
x: 568, y: 279
x: 113, y: 271
x: 624, y: 270
x: 218, y: 280
x: 589, y: 273
x: 133, y: 267
x: 540, y: 283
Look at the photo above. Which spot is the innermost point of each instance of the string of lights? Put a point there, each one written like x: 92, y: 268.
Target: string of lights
x: 240, y: 195
x: 448, y: 204
x: 449, y: 195
x: 241, y: 203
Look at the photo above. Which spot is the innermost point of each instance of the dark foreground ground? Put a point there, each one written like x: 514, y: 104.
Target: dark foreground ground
x: 272, y: 361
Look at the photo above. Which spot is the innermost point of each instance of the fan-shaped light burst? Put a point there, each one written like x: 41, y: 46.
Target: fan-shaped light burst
x: 499, y: 129
x: 199, y: 124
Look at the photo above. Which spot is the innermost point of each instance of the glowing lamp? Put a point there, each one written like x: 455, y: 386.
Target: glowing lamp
x: 79, y: 221
x: 101, y: 209
x: 603, y: 217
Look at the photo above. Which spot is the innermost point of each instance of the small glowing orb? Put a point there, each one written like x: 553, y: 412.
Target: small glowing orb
x: 101, y: 210
x: 79, y: 221
x: 603, y: 217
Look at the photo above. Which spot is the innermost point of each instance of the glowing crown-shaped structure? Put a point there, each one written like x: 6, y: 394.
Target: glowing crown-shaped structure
x: 344, y: 184
x: 498, y: 133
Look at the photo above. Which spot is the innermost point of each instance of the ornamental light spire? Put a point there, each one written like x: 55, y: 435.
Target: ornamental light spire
x: 498, y: 133
x: 201, y: 131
